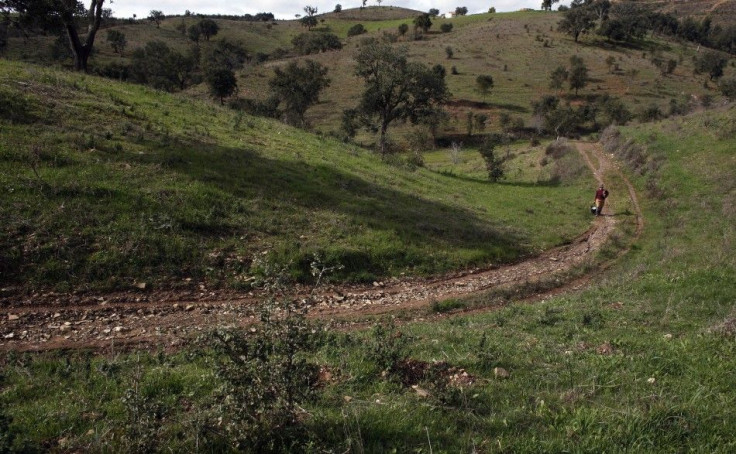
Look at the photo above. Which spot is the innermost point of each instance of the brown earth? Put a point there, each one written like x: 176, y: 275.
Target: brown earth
x: 166, y: 320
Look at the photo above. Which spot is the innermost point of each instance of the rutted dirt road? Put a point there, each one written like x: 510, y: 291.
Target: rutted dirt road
x: 166, y: 320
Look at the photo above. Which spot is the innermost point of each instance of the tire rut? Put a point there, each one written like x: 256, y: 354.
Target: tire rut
x: 170, y: 320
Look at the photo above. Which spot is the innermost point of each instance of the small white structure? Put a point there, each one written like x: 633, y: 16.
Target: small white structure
x: 449, y: 15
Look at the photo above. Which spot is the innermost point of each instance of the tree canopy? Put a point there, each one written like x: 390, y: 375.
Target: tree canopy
x: 156, y: 17
x: 297, y: 87
x: 423, y: 21
x: 396, y: 89
x: 57, y: 15
x: 577, y: 21
x: 484, y: 83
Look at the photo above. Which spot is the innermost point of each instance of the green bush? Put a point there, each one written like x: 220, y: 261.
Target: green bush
x: 268, y: 378
x: 356, y: 30
x: 314, y: 43
x: 728, y: 88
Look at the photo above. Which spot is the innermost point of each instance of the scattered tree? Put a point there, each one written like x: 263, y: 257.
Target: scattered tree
x: 226, y: 54
x: 338, y: 8
x: 461, y: 11
x: 423, y: 21
x: 577, y: 21
x: 194, y: 33
x: 484, y: 84
x: 403, y: 28
x: 480, y: 120
x: 222, y: 83
x: 356, y: 30
x: 156, y: 17
x: 547, y: 4
x: 558, y: 77
x: 613, y: 111
x: 209, y: 28
x: 117, y: 40
x: 610, y: 62
x: 728, y: 88
x: 69, y: 16
x: 309, y: 21
x: 494, y: 164
x: 562, y: 120
x: 599, y: 8
x: 578, y: 77
x: 434, y: 12
x: 312, y: 43
x: 159, y: 66
x: 298, y: 87
x: 396, y: 89
x: 710, y: 63
x: 625, y: 21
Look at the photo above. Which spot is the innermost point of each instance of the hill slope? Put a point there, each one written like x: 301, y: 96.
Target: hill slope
x: 642, y: 361
x: 112, y: 184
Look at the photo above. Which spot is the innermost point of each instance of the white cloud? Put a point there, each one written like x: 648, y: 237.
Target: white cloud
x: 287, y: 9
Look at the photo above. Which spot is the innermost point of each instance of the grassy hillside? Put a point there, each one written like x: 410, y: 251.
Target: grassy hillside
x: 720, y: 11
x: 110, y: 184
x: 106, y: 185
x: 641, y: 361
x: 519, y: 50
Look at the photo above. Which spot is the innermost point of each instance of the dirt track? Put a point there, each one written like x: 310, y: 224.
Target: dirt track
x: 166, y: 320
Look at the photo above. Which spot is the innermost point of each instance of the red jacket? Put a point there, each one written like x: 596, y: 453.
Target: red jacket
x: 601, y: 194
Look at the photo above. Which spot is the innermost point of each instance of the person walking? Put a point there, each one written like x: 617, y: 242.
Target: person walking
x: 600, y: 199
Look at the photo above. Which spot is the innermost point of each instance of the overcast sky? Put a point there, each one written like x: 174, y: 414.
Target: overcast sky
x: 287, y: 9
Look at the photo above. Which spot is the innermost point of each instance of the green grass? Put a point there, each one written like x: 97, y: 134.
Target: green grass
x: 108, y: 184
x: 640, y: 361
x: 105, y: 184
x: 519, y: 50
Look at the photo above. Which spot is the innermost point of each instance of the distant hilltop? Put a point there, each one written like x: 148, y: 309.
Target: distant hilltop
x: 721, y: 11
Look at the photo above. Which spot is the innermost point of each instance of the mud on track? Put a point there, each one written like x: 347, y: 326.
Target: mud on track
x: 167, y: 320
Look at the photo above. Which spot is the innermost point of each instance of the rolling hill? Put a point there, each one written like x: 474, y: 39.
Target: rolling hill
x: 108, y: 186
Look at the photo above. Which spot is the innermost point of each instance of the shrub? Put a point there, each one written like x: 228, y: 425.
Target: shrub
x: 312, y: 43
x: 679, y: 106
x: 558, y: 148
x: 114, y: 70
x: 387, y: 348
x: 356, y: 30
x: 728, y: 88
x: 613, y: 111
x: 650, y: 113
x: 267, y: 378
x: 446, y: 27
x: 494, y: 164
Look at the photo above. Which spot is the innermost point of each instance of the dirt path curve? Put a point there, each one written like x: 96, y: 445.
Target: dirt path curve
x: 168, y: 320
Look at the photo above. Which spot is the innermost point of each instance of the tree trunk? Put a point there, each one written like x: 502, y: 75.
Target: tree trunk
x: 81, y: 50
x: 382, y: 140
